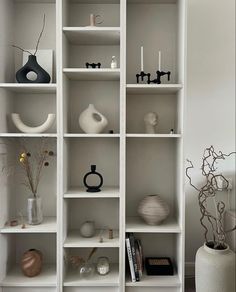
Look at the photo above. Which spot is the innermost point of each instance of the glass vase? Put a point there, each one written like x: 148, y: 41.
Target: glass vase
x: 103, y: 266
x: 86, y: 270
x: 34, y: 211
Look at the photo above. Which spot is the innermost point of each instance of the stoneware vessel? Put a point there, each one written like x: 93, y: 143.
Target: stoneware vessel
x: 31, y: 263
x: 87, y: 229
x: 32, y: 66
x: 153, y: 209
x: 92, y: 121
x: 215, y: 270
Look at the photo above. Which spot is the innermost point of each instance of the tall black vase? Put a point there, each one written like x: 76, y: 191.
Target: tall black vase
x: 32, y: 65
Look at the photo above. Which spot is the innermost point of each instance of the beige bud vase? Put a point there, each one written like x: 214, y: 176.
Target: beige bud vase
x: 31, y: 263
x: 153, y: 210
x: 92, y: 121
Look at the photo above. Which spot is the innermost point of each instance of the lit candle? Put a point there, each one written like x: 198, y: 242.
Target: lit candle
x: 159, y: 60
x: 142, y: 59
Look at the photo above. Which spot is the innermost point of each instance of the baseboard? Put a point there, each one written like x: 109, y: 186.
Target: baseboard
x: 189, y: 269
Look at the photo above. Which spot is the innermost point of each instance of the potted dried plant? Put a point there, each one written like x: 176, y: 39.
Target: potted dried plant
x: 32, y: 164
x: 215, y: 262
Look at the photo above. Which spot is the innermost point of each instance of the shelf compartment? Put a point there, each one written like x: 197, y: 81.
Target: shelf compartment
x: 112, y: 279
x: 155, y: 281
x: 29, y: 88
x: 153, y: 88
x: 91, y: 135
x: 153, y: 135
x: 106, y: 192
x: 93, y: 36
x: 75, y: 240
x: 49, y: 225
x: 26, y: 135
x: 137, y: 225
x: 15, y: 278
x: 92, y: 74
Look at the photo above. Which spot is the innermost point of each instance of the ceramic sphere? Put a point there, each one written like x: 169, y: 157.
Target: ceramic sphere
x: 87, y: 229
x: 153, y: 209
x: 31, y: 263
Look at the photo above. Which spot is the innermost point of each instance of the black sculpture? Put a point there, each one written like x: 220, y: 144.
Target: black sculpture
x: 93, y: 65
x: 93, y: 189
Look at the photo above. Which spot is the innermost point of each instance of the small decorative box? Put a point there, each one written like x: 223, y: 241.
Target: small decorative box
x: 159, y: 266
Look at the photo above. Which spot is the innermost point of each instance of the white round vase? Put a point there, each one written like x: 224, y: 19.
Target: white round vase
x: 92, y: 121
x: 153, y: 209
x: 215, y: 270
x: 87, y: 229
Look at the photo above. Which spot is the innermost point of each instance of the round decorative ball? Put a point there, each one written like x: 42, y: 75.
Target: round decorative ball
x: 153, y: 210
x: 31, y: 263
x: 87, y: 229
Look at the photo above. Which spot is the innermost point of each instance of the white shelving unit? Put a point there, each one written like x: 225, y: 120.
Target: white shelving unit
x: 133, y: 164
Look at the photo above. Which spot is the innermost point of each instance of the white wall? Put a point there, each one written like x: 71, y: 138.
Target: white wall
x: 210, y: 95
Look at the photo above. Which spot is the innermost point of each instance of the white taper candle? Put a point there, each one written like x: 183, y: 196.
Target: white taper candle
x: 141, y: 58
x: 159, y: 60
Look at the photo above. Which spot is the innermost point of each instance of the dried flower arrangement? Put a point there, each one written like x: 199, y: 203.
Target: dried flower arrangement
x: 208, y: 192
x: 33, y: 164
x: 77, y: 261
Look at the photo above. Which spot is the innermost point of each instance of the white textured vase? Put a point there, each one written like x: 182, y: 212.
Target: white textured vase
x: 92, y: 121
x: 153, y: 209
x: 215, y: 270
x: 87, y: 229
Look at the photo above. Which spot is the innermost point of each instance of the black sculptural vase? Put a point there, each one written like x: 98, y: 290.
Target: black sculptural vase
x: 93, y: 189
x: 32, y: 66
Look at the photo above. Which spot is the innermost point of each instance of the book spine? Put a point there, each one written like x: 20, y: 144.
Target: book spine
x: 131, y: 265
x: 133, y: 251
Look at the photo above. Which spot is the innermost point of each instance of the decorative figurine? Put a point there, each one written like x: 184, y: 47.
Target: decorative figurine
x: 31, y: 263
x: 93, y: 189
x: 150, y: 120
x: 93, y: 19
x: 92, y: 121
x: 93, y: 65
x: 113, y: 62
x: 87, y: 229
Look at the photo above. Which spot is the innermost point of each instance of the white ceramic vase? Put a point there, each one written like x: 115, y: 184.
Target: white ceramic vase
x: 215, y: 270
x: 87, y: 229
x: 153, y: 209
x: 92, y: 121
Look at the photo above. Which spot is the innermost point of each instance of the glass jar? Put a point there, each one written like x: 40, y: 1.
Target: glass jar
x: 86, y: 270
x: 103, y: 266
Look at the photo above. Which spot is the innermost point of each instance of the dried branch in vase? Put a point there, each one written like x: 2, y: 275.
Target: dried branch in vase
x: 77, y: 261
x: 208, y: 192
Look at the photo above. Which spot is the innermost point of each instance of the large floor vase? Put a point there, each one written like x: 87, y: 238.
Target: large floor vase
x: 215, y: 270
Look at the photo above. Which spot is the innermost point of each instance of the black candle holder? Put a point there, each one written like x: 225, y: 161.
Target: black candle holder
x: 93, y: 65
x: 142, y: 75
x: 93, y: 189
x: 159, y: 75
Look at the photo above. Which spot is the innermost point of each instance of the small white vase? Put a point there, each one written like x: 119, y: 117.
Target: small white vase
x: 153, y: 209
x: 87, y: 229
x: 92, y: 121
x: 215, y: 270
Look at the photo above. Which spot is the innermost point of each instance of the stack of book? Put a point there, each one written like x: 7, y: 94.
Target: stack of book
x: 135, y: 257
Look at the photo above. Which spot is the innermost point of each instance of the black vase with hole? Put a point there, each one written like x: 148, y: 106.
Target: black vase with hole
x: 93, y: 189
x: 32, y: 66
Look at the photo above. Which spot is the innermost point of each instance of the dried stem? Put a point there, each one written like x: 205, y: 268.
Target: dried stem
x: 40, y: 35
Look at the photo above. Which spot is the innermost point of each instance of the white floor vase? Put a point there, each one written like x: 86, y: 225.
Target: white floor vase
x: 215, y: 270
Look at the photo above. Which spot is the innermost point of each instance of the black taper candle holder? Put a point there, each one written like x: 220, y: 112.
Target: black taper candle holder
x: 159, y: 75
x: 142, y: 75
x: 93, y: 65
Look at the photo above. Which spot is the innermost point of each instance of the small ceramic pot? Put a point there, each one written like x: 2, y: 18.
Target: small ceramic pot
x: 153, y: 210
x: 31, y: 263
x: 87, y: 229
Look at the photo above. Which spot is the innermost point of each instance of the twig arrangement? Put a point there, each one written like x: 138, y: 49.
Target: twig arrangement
x: 38, y: 41
x: 77, y: 261
x: 33, y: 165
x: 208, y: 191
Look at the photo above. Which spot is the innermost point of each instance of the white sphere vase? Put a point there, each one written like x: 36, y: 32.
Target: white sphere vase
x: 215, y: 270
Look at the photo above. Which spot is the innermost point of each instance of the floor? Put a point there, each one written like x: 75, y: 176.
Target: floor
x: 190, y: 285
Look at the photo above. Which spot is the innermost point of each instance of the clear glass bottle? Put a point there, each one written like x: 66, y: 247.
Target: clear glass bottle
x: 113, y: 62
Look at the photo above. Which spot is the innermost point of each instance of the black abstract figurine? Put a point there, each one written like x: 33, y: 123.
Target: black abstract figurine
x: 93, y: 65
x: 93, y: 189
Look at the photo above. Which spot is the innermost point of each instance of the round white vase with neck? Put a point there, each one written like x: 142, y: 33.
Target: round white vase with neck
x: 215, y: 270
x: 92, y: 121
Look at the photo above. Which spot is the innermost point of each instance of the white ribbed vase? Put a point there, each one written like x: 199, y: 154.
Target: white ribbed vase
x: 153, y: 209
x: 215, y: 270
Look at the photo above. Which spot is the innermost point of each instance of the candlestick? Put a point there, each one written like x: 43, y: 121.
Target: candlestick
x: 159, y: 60
x: 142, y: 59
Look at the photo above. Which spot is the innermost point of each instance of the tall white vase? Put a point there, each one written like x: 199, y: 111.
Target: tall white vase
x: 92, y: 121
x: 215, y: 270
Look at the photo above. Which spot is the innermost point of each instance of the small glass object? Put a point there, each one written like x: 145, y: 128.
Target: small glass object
x: 103, y: 266
x: 113, y: 62
x: 86, y: 270
x: 34, y: 211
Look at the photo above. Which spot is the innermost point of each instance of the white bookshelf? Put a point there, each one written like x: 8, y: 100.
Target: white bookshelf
x: 133, y: 164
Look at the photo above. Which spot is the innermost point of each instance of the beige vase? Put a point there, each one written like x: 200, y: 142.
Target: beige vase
x: 153, y: 210
x: 31, y: 263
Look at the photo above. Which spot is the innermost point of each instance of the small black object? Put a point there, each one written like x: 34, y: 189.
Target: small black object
x: 93, y: 189
x: 159, y: 75
x: 159, y: 266
x: 111, y: 131
x: 93, y: 65
x: 32, y: 66
x: 142, y: 75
